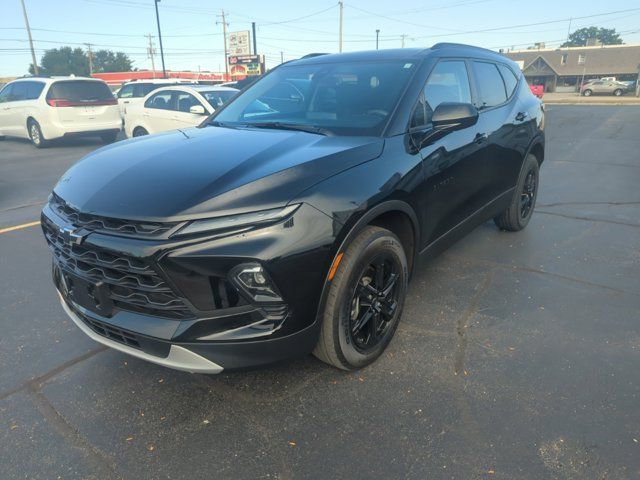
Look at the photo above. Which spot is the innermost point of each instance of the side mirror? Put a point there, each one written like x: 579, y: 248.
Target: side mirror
x: 451, y: 116
x: 197, y: 110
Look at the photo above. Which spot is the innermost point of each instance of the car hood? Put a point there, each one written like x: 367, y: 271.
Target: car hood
x: 207, y: 172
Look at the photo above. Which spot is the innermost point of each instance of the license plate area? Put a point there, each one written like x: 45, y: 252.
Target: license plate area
x: 86, y: 294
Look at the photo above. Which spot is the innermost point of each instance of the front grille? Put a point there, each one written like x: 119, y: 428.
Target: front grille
x: 133, y: 284
x: 106, y: 224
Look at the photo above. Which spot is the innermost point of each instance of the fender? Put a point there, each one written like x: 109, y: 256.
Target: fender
x: 384, y: 207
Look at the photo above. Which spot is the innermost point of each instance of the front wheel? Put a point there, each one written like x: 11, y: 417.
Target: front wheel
x: 617, y: 92
x: 365, y: 300
x: 139, y: 132
x: 519, y: 212
x: 587, y: 93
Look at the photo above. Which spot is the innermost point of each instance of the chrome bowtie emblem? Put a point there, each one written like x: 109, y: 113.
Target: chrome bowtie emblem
x: 72, y: 236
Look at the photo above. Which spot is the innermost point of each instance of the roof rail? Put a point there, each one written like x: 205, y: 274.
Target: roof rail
x: 311, y: 55
x: 458, y: 45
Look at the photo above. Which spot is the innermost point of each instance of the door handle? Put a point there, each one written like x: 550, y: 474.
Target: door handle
x: 521, y: 116
x: 126, y: 101
x: 481, y: 138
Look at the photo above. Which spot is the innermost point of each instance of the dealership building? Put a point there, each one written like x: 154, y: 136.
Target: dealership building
x: 562, y: 69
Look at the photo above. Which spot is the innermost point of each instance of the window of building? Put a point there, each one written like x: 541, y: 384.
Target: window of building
x: 563, y: 59
x: 581, y: 59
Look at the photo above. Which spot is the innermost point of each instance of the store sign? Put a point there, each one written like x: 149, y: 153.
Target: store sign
x: 240, y: 43
x: 246, y: 65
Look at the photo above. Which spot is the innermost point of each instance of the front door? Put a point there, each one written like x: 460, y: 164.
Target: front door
x: 454, y: 173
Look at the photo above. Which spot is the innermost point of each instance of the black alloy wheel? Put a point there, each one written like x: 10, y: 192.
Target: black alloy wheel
x: 374, y: 302
x: 528, y: 195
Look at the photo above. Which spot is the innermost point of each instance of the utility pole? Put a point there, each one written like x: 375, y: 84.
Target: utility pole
x: 377, y: 34
x: 224, y: 36
x: 151, y: 51
x: 569, y: 30
x: 253, y: 32
x: 164, y: 70
x: 281, y: 57
x: 402, y: 37
x: 90, y: 55
x: 340, y: 29
x: 33, y: 52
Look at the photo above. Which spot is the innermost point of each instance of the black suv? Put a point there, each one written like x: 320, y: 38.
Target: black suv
x: 290, y: 220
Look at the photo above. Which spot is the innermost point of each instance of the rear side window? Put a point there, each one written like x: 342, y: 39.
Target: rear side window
x: 161, y: 100
x: 510, y: 80
x: 491, y: 90
x: 34, y: 89
x: 80, y: 91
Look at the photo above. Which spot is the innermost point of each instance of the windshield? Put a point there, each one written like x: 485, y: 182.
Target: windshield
x: 217, y: 98
x: 342, y: 98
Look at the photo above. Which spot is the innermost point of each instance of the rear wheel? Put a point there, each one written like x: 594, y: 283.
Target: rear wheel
x: 365, y: 300
x: 109, y: 137
x: 35, y: 134
x: 139, y: 132
x: 617, y: 92
x: 587, y: 93
x: 518, y: 214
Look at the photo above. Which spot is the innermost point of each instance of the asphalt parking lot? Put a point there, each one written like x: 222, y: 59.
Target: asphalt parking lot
x: 518, y: 356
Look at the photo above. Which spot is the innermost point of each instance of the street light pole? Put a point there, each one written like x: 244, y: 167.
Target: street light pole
x: 164, y: 71
x: 340, y: 4
x: 377, y: 34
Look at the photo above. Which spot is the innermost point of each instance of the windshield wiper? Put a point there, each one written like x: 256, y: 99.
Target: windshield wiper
x: 291, y: 126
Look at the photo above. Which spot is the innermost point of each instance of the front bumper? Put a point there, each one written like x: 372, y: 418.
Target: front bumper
x: 209, y: 332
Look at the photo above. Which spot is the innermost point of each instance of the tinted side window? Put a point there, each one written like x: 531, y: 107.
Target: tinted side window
x: 126, y: 92
x: 490, y: 85
x: 139, y: 91
x: 510, y: 80
x: 186, y: 101
x: 161, y: 100
x: 448, y: 82
x: 34, y: 89
x: 19, y: 91
x: 5, y: 93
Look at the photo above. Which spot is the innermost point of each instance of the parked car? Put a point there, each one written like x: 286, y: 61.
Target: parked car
x: 265, y: 235
x: 604, y: 87
x: 171, y: 108
x: 537, y: 90
x: 132, y: 93
x: 43, y: 109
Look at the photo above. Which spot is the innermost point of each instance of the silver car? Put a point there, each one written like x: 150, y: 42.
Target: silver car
x: 606, y: 87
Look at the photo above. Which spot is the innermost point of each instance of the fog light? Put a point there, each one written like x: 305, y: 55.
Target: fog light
x: 253, y: 280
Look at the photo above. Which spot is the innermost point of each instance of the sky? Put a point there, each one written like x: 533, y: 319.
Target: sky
x: 192, y: 29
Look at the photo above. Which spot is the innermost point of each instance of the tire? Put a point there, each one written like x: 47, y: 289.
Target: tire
x: 2, y: 137
x: 35, y: 134
x: 617, y: 92
x: 587, y: 93
x: 519, y: 212
x: 341, y: 343
x: 109, y: 137
x: 139, y: 132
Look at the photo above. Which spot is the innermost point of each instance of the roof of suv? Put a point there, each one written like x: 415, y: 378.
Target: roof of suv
x: 54, y: 79
x: 456, y: 49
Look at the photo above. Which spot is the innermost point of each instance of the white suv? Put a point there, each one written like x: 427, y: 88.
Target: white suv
x: 132, y: 93
x: 44, y: 109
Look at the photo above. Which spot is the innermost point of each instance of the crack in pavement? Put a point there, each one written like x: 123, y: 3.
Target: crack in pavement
x: 604, y: 164
x: 561, y: 204
x: 589, y: 219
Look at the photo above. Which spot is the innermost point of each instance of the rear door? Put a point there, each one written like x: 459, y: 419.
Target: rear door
x: 159, y: 110
x: 124, y: 97
x: 15, y: 113
x: 5, y: 109
x: 453, y: 169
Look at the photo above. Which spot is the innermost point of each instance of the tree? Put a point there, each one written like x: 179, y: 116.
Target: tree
x: 63, y: 61
x: 607, y: 36
x: 67, y: 61
x: 108, y: 61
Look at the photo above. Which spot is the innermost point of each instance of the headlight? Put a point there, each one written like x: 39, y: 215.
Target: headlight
x: 238, y: 221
